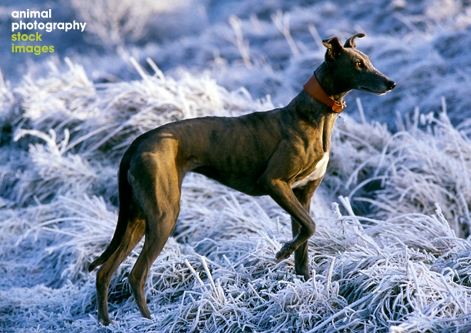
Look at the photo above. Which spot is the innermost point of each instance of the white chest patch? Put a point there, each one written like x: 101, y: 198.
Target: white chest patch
x: 318, y: 172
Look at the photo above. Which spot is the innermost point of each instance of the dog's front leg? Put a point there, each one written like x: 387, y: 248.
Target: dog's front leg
x: 275, y: 184
x: 283, y: 195
x: 301, y: 257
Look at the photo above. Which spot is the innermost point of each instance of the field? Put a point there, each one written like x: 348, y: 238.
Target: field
x: 392, y: 250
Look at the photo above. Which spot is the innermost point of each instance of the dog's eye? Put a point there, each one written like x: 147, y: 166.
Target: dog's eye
x: 359, y: 64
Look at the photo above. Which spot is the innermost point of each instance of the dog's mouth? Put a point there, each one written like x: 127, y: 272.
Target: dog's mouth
x: 376, y: 92
x: 381, y: 89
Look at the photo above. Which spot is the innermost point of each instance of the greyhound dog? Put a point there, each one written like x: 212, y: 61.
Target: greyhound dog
x: 282, y: 153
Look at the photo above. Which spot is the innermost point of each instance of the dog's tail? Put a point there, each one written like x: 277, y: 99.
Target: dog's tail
x: 124, y: 190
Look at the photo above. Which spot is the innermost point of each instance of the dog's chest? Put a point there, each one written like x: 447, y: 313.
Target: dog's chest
x: 318, y: 172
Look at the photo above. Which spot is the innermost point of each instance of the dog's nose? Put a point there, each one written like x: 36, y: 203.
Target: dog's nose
x: 391, y: 85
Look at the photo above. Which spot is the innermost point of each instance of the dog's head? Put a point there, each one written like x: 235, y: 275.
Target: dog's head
x: 352, y: 69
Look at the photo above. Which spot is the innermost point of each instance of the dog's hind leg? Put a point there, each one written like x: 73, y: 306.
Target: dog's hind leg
x: 134, y: 232
x: 301, y: 256
x: 156, y: 237
x: 158, y: 192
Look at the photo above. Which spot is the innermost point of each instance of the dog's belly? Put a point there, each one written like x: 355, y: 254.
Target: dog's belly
x: 318, y: 172
x: 245, y: 183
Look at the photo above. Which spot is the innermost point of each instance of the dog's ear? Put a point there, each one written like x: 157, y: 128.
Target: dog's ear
x: 351, y: 41
x: 334, y: 48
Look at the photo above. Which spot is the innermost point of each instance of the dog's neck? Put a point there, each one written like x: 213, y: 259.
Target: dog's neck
x: 314, y: 109
x: 329, y: 83
x: 315, y: 112
x: 315, y: 90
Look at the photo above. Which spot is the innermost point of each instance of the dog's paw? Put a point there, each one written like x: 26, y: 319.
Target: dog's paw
x: 304, y: 272
x: 105, y: 321
x: 284, y: 253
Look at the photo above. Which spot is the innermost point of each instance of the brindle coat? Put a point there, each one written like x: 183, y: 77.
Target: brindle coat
x: 282, y: 153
